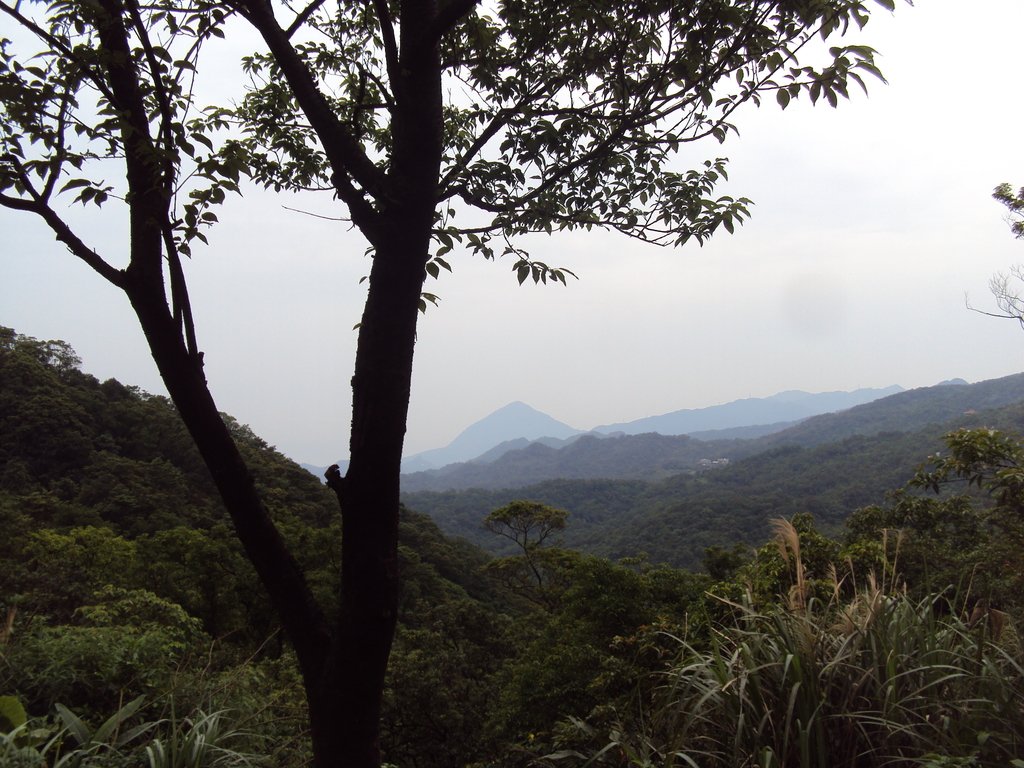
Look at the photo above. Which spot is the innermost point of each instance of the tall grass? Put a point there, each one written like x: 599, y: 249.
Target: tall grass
x: 886, y: 682
x: 882, y: 680
x: 198, y: 741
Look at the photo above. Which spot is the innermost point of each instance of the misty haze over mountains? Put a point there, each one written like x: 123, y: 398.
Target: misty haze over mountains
x: 517, y: 424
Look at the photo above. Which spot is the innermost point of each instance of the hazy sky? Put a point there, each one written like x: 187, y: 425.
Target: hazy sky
x: 871, y: 223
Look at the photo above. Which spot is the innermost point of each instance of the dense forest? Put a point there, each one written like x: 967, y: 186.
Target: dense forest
x: 133, y: 631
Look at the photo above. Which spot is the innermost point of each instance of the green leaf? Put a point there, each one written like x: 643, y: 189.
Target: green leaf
x: 114, y: 722
x: 782, y: 96
x: 12, y: 714
x: 74, y: 724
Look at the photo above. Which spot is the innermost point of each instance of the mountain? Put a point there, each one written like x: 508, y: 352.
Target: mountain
x: 744, y: 433
x: 647, y: 456
x: 314, y: 469
x: 515, y: 420
x: 909, y: 410
x: 788, y: 406
x: 517, y: 424
x: 653, y: 456
x: 675, y: 518
x: 521, y: 442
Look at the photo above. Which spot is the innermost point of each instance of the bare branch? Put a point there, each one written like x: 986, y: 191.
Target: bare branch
x: 317, y: 215
x: 1009, y: 301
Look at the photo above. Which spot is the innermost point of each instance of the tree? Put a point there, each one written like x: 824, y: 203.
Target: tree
x: 531, y: 572
x: 527, y: 524
x: 1007, y: 295
x: 1002, y: 286
x: 970, y: 534
x: 1014, y: 204
x: 523, y: 117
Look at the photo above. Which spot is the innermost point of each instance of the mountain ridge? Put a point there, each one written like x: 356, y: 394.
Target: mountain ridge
x: 516, y: 421
x: 652, y: 456
x: 479, y: 437
x: 789, y: 405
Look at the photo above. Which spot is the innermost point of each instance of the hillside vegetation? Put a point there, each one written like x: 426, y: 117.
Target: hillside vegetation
x: 133, y: 633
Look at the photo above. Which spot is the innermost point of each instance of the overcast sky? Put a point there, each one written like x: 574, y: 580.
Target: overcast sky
x: 871, y: 223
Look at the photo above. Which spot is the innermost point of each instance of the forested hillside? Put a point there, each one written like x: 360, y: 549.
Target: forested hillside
x: 907, y: 411
x: 133, y: 633
x: 674, y: 519
x: 121, y: 576
x: 589, y: 456
x: 653, y: 456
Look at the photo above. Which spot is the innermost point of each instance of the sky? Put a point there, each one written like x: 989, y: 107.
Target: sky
x: 871, y: 224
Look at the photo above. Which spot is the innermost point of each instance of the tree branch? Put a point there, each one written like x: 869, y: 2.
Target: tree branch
x: 498, y: 122
x: 448, y: 15
x: 387, y: 33
x: 65, y: 235
x: 344, y: 152
x: 159, y: 92
x: 303, y: 17
x: 58, y: 154
x: 56, y: 44
x: 389, y: 99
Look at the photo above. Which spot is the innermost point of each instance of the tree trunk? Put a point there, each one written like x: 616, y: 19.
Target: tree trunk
x: 346, y: 717
x: 278, y: 571
x: 350, y: 734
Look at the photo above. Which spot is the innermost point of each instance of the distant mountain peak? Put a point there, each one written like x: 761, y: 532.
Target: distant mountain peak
x: 515, y: 408
x: 521, y: 419
x: 510, y: 422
